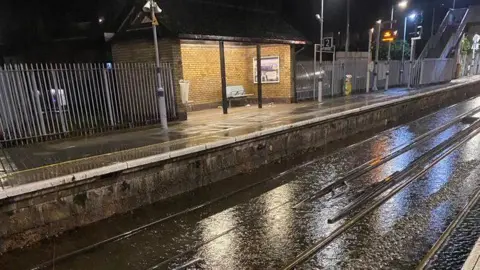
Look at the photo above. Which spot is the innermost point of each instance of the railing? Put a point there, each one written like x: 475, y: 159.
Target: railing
x: 41, y: 102
x: 433, y: 41
x: 437, y: 71
x: 453, y: 41
x: 427, y: 71
x: 333, y: 81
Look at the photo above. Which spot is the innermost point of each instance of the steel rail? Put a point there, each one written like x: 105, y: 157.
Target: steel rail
x: 308, y: 253
x: 448, y: 232
x: 376, y: 162
x: 394, y: 178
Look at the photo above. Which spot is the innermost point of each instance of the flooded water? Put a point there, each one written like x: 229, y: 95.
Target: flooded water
x: 263, y: 227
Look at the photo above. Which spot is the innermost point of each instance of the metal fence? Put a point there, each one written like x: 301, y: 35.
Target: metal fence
x: 470, y: 65
x: 436, y: 71
x: 427, y: 71
x: 333, y: 80
x: 48, y: 101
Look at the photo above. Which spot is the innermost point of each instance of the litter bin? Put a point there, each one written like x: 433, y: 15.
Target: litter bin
x: 348, y: 85
x: 184, y: 90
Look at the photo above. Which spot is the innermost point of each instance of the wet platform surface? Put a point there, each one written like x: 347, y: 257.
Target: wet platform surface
x: 49, y: 160
x: 261, y: 227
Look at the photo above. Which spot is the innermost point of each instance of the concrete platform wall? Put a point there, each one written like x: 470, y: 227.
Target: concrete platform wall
x: 31, y: 215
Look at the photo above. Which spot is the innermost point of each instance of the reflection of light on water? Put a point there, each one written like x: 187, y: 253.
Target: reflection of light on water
x: 396, y: 206
x: 440, y: 174
x: 399, y: 138
x: 438, y: 221
x: 278, y: 223
x: 471, y: 148
x: 391, y: 210
x: 215, y: 226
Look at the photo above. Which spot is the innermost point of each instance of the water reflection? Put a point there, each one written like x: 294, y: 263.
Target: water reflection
x: 222, y: 246
x: 471, y: 146
x: 440, y: 174
x: 438, y: 221
x: 393, y: 209
x: 278, y: 224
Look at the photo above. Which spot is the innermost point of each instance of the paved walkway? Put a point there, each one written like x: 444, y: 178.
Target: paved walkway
x: 473, y: 260
x: 47, y: 160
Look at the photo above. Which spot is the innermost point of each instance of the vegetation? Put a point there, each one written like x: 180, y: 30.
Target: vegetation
x: 396, y: 50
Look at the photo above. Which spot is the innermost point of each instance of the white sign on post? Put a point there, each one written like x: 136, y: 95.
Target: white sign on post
x: 328, y: 43
x: 476, y: 42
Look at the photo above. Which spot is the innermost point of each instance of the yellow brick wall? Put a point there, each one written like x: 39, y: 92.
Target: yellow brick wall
x: 275, y: 90
x: 201, y: 66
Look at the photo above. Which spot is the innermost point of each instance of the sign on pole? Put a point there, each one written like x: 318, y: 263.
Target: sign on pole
x: 389, y: 35
x: 154, y: 21
x: 328, y: 43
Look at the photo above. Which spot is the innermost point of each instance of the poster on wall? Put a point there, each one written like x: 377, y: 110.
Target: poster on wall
x: 270, y: 69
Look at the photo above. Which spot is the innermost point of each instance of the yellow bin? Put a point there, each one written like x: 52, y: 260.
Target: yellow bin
x: 348, y: 85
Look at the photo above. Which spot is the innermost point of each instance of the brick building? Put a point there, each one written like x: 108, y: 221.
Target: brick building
x: 190, y: 33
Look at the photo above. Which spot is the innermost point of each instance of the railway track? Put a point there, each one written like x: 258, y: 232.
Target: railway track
x: 375, y: 196
x: 391, y: 186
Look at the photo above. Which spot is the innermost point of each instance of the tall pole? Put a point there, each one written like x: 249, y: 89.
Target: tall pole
x: 454, y: 2
x: 160, y: 90
x: 370, y: 40
x: 389, y: 51
x: 433, y: 23
x: 347, y: 42
x: 412, y: 58
x: 402, y: 71
x: 377, y: 52
x: 223, y: 75
x: 320, y: 84
x: 259, y: 76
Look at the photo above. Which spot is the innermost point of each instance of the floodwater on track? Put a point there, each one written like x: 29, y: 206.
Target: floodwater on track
x: 260, y: 228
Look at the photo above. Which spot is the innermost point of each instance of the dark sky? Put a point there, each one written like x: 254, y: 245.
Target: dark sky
x: 364, y: 13
x: 52, y: 19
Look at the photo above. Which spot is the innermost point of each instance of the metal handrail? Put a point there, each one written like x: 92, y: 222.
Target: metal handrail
x: 434, y: 40
x: 454, y: 39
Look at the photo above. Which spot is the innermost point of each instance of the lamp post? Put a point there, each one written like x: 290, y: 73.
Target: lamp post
x: 319, y: 17
x: 377, y: 52
x: 370, y: 40
x: 411, y: 17
x: 401, y: 5
x: 152, y: 8
x: 347, y: 41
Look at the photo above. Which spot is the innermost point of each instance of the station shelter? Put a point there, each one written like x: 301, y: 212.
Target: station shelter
x: 214, y: 48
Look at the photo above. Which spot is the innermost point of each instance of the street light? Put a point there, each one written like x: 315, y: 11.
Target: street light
x: 412, y: 17
x: 402, y: 5
x: 152, y: 8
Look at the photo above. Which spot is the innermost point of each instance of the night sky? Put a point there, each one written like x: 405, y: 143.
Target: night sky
x: 364, y: 13
x: 46, y: 20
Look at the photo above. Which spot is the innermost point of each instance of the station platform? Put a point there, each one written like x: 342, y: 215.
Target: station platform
x: 43, y: 161
x: 473, y: 260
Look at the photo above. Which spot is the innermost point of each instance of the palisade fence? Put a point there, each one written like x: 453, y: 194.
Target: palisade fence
x: 39, y: 102
x: 469, y: 65
x: 423, y: 72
